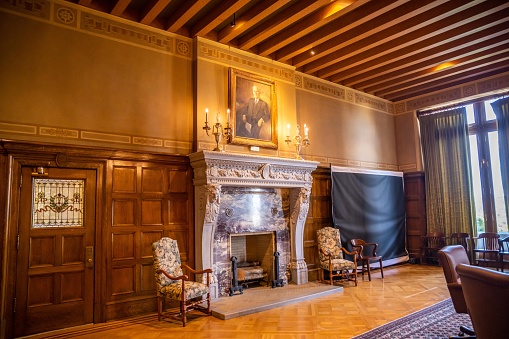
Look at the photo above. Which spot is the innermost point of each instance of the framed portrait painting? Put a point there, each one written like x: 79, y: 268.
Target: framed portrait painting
x: 253, y: 104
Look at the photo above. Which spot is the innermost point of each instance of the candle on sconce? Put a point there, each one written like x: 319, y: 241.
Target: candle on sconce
x: 206, y: 115
x: 288, y: 127
x: 305, y: 131
x: 217, y: 117
x: 228, y: 114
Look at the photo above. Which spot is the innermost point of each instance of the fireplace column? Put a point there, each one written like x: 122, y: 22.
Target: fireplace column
x: 299, y: 202
x: 207, y: 198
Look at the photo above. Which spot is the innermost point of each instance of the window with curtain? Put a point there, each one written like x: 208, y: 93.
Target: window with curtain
x: 491, y: 214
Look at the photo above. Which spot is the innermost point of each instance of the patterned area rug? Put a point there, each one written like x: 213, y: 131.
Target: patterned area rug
x: 436, y: 321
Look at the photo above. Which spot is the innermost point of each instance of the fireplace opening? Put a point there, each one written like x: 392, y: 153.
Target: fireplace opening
x: 255, y: 258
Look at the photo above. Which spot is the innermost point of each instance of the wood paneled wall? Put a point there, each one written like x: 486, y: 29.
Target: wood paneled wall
x: 415, y: 200
x: 146, y: 201
x: 140, y: 198
x: 319, y: 216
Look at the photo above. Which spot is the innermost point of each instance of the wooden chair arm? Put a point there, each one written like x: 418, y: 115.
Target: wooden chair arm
x: 180, y: 277
x: 326, y: 254
x: 208, y: 270
x: 354, y: 254
x: 348, y: 252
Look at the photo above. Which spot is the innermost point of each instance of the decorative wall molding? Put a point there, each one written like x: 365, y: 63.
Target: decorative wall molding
x: 477, y: 89
x: 17, y: 128
x: 108, y: 139
x: 232, y: 57
x: 68, y: 15
x: 338, y: 92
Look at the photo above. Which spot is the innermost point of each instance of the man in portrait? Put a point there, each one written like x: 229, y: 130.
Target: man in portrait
x: 257, y: 114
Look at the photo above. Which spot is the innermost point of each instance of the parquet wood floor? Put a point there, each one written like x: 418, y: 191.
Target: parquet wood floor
x: 405, y: 289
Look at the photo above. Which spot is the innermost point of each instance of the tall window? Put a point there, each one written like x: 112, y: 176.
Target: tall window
x: 487, y: 180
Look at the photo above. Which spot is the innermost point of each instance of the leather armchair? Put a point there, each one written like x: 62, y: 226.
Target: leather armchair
x: 487, y: 296
x: 449, y: 257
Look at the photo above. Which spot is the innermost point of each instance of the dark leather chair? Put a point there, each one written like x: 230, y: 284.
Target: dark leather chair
x: 486, y: 250
x: 449, y: 257
x: 431, y: 243
x: 366, y: 253
x: 487, y: 295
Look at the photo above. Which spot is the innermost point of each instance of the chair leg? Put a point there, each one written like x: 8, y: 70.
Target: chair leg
x: 381, y: 268
x: 183, y: 310
x: 369, y: 270
x: 209, y: 311
x: 159, y: 307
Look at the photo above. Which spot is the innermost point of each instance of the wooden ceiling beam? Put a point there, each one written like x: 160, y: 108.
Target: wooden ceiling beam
x: 476, y: 75
x: 250, y: 18
x: 216, y: 17
x: 119, y: 7
x: 86, y: 3
x: 286, y: 18
x: 448, y: 45
x: 400, y: 43
x: 183, y: 14
x: 489, y: 54
x: 150, y: 12
x: 306, y: 26
x: 382, y: 43
x: 402, y: 19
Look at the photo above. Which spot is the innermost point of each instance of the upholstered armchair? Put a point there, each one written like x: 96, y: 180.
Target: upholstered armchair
x: 331, y: 256
x: 173, y: 284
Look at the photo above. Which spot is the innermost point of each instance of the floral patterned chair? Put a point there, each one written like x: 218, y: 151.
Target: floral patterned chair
x: 331, y: 256
x: 173, y: 284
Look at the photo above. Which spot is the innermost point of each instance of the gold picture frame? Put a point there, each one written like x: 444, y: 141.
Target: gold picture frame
x: 253, y: 104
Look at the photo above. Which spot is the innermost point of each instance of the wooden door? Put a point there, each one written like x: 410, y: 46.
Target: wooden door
x: 55, y: 265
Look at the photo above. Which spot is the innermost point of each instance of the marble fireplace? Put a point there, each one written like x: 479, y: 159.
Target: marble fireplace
x: 238, y: 194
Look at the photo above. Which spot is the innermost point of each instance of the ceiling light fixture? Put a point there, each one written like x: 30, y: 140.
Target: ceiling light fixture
x: 312, y: 52
x: 444, y: 66
x: 232, y: 24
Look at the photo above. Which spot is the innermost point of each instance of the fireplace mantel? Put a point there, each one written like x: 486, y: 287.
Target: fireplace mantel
x: 233, y: 169
x: 213, y: 170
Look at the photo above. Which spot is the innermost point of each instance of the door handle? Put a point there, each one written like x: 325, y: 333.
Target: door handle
x: 89, y: 256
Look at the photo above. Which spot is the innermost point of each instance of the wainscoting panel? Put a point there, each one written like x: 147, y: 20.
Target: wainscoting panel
x: 147, y: 201
x: 319, y: 216
x: 415, y: 200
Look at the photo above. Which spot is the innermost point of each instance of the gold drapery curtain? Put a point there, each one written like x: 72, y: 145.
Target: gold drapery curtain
x: 501, y: 109
x: 446, y: 156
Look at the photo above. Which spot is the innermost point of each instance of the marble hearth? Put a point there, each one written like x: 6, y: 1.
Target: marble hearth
x: 245, y: 194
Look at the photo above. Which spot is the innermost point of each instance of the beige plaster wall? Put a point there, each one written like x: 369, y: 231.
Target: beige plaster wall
x: 408, y: 142
x: 70, y: 85
x: 346, y: 133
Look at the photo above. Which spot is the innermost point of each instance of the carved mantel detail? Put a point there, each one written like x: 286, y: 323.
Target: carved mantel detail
x: 212, y: 170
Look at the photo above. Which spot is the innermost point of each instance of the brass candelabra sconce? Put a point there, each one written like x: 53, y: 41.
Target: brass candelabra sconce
x: 299, y: 141
x: 217, y: 129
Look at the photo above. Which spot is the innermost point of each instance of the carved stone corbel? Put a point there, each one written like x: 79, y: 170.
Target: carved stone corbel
x: 299, y: 200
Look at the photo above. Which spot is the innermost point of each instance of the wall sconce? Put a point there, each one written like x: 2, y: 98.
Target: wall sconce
x: 299, y: 141
x: 217, y: 129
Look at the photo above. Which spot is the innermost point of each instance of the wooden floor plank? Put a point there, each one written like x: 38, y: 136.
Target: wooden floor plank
x: 405, y: 289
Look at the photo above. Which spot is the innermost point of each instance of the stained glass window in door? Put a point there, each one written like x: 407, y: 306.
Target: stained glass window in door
x: 57, y: 203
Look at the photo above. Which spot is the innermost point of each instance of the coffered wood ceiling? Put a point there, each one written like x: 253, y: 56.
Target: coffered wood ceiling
x: 394, y: 49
